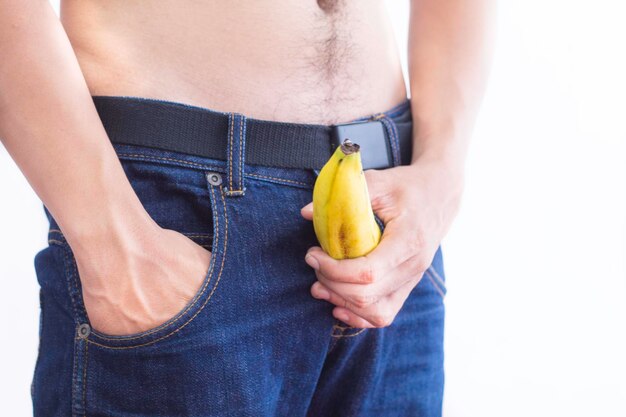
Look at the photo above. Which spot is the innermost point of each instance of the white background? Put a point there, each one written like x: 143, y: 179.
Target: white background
x: 536, y: 308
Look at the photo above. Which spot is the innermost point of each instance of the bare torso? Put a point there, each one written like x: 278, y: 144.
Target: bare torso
x: 288, y: 60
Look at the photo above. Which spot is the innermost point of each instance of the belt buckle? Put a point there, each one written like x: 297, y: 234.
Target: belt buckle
x: 372, y: 139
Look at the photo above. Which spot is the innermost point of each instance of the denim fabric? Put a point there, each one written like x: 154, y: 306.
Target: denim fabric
x: 253, y: 342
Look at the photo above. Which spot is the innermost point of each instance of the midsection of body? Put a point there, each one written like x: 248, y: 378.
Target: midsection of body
x: 306, y: 61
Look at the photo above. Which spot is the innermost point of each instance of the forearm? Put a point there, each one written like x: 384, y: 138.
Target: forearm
x: 50, y: 127
x: 449, y: 54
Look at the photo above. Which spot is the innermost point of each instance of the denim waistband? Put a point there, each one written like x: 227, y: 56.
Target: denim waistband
x: 199, y: 131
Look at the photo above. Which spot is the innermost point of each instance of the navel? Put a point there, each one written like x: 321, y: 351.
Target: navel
x: 329, y: 6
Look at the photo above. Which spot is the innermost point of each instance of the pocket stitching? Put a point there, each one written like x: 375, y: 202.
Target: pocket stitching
x: 163, y: 159
x: 279, y: 179
x: 180, y: 162
x: 73, y: 288
x: 210, y: 273
x: 179, y: 315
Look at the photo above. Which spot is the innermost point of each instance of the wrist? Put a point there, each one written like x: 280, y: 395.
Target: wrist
x: 109, y: 242
x: 112, y: 225
x: 448, y: 163
x: 114, y: 229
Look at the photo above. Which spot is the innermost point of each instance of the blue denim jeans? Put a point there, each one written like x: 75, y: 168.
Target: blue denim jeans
x: 253, y: 341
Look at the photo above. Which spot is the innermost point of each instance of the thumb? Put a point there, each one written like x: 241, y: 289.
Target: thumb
x: 307, y: 211
x: 377, y: 187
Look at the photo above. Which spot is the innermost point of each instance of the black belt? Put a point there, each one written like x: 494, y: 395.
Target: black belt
x: 190, y: 129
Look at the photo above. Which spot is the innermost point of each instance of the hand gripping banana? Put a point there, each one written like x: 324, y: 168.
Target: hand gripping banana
x: 343, y: 218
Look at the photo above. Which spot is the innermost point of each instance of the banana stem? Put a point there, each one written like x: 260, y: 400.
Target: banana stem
x: 348, y: 147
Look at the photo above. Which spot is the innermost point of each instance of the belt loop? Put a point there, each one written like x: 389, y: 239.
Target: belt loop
x: 235, y: 155
x: 392, y: 136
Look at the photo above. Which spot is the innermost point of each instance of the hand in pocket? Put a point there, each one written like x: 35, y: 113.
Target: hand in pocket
x: 137, y: 285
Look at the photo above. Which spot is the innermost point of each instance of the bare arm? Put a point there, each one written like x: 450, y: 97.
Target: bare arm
x: 50, y: 126
x: 449, y: 53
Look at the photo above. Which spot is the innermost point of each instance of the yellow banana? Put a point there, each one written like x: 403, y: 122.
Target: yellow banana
x: 343, y: 218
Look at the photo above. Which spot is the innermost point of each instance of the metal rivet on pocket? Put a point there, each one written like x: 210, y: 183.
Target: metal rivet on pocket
x: 214, y: 178
x: 84, y: 330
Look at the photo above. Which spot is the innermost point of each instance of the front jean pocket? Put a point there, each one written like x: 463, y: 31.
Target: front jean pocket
x: 182, y: 184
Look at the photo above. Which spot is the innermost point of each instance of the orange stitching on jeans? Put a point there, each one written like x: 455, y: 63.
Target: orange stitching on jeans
x: 349, y: 335
x: 163, y: 158
x: 72, y: 267
x: 74, y: 366
x: 241, y: 161
x: 430, y: 277
x: 193, y: 303
x: 203, y: 305
x: 56, y: 241
x: 342, y: 330
x: 202, y: 166
x: 235, y: 192
x: 230, y: 161
x: 279, y: 179
x: 55, y: 230
x: 85, y: 380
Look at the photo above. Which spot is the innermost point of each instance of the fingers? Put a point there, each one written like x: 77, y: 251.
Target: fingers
x: 380, y: 314
x: 395, y: 248
x: 352, y: 319
x: 307, y: 211
x: 321, y: 292
x: 361, y: 296
x: 344, y: 314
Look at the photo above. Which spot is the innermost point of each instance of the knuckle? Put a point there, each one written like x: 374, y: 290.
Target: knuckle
x: 367, y: 275
x: 362, y: 300
x: 382, y: 315
x: 421, y: 264
x: 415, y: 244
x: 381, y: 320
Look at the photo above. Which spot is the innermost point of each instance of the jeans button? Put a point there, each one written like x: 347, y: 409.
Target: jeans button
x: 214, y: 178
x: 84, y: 330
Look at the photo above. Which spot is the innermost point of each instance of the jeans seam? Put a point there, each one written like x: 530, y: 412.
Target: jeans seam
x: 432, y: 280
x: 85, y: 380
x: 340, y: 336
x: 437, y: 276
x: 333, y: 343
x: 242, y: 127
x: 342, y: 330
x: 75, y: 360
x: 79, y: 378
x: 204, y: 167
x: 230, y: 160
x: 75, y: 294
x: 153, y: 158
x: 280, y: 179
